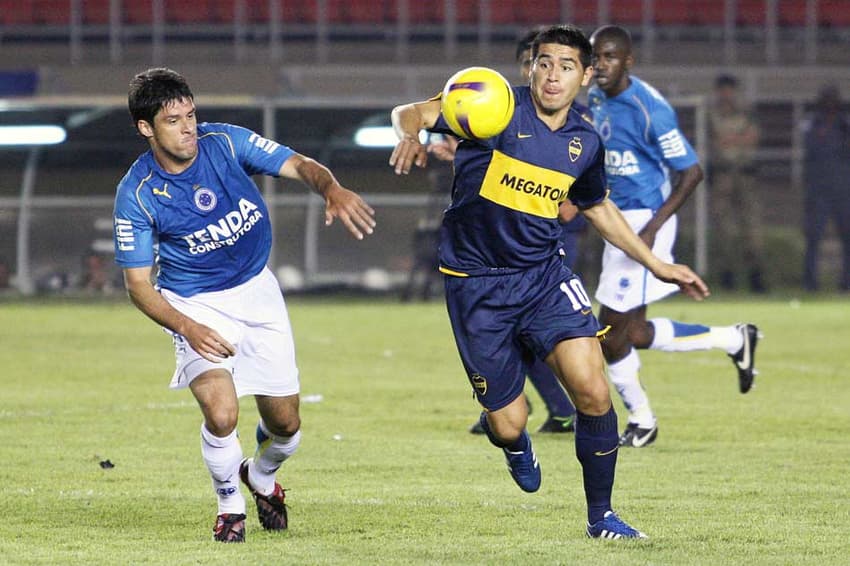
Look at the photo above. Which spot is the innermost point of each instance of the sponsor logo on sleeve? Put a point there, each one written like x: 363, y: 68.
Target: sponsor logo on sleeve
x: 672, y: 144
x: 124, y: 235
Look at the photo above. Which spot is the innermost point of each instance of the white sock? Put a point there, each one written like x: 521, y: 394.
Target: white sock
x: 672, y: 336
x: 270, y: 454
x: 222, y: 457
x: 624, y: 375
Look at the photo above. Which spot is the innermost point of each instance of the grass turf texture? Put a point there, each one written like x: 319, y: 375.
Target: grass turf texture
x: 387, y: 474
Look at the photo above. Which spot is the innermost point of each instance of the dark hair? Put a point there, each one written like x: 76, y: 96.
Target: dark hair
x: 154, y: 89
x: 564, y: 34
x: 726, y: 80
x: 617, y: 34
x: 526, y: 40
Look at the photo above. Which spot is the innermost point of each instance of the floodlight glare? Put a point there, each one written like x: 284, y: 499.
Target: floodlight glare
x: 32, y: 135
x: 380, y: 136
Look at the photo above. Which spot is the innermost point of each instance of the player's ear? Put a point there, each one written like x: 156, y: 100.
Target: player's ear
x: 588, y: 75
x: 144, y: 128
x: 630, y: 60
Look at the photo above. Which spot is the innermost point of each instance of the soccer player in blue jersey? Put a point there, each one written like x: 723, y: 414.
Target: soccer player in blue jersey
x: 561, y: 413
x: 509, y: 295
x: 190, y: 207
x: 642, y: 139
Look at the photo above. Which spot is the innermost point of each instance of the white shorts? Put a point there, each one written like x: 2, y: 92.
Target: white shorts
x: 624, y: 284
x: 251, y: 316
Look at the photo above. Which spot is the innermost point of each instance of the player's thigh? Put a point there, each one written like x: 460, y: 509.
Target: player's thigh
x: 579, y: 364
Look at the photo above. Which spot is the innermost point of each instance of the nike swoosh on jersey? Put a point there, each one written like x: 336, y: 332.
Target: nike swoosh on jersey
x: 524, y: 136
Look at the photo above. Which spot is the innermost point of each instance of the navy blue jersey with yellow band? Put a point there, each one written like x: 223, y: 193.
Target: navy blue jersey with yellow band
x: 503, y: 215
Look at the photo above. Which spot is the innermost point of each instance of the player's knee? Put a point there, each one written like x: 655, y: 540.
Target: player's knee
x: 222, y: 422
x: 283, y: 425
x: 592, y: 396
x: 641, y: 334
x: 506, y: 431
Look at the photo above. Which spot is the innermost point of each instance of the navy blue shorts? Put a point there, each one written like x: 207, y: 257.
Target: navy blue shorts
x: 502, y: 322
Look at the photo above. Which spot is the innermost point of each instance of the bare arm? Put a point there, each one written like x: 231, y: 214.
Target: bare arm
x: 686, y: 182
x: 203, y: 339
x: 357, y: 216
x: 408, y: 120
x: 567, y: 211
x: 608, y: 219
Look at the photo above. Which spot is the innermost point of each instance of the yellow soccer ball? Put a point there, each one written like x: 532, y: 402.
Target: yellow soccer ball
x: 477, y: 103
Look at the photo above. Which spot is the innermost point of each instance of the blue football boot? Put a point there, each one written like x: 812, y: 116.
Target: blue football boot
x: 612, y: 527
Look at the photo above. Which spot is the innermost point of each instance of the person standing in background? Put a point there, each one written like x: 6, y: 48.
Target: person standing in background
x: 735, y: 207
x: 827, y: 180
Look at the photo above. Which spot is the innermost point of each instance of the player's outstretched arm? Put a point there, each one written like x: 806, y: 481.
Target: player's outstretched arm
x: 608, y: 219
x: 203, y: 339
x: 408, y: 120
x: 357, y: 216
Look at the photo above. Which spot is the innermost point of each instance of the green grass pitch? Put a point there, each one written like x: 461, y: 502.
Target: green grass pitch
x: 386, y: 472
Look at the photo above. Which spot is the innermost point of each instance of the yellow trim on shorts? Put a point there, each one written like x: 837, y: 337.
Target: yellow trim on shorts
x: 447, y: 271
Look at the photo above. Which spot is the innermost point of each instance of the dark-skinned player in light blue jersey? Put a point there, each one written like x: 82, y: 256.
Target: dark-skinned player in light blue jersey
x: 190, y: 207
x: 509, y: 295
x: 643, y: 144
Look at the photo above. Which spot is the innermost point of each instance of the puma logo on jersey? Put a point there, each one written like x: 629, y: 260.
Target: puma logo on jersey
x: 163, y: 192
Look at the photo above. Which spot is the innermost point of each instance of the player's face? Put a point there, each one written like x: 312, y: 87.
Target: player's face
x: 611, y: 64
x: 525, y: 63
x: 173, y: 135
x: 557, y: 76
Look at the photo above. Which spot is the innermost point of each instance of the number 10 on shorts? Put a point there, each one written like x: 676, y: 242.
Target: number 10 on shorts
x: 575, y: 292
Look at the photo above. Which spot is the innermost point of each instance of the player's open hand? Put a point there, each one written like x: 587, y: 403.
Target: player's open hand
x: 689, y: 282
x: 357, y: 216
x: 408, y: 151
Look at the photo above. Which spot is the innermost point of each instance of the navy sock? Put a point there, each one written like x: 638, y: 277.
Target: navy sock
x: 596, y: 450
x: 521, y: 444
x: 550, y: 389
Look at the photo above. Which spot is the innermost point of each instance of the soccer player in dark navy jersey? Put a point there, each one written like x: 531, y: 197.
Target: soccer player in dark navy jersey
x: 561, y: 413
x: 190, y: 207
x: 510, y: 298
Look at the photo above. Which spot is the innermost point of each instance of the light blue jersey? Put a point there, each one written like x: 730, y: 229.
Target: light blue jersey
x: 208, y: 227
x: 642, y: 142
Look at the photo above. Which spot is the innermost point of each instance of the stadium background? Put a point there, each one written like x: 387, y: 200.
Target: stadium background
x: 313, y: 73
